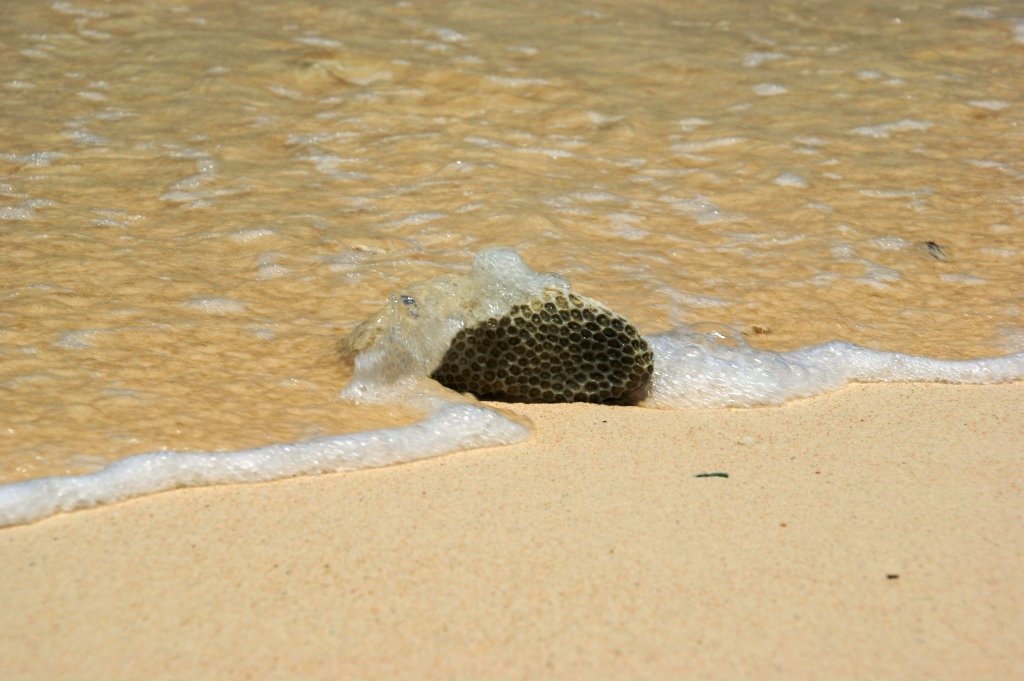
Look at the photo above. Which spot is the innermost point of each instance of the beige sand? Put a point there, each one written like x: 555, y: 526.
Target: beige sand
x: 592, y: 551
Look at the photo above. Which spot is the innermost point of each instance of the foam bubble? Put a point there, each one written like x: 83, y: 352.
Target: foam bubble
x: 790, y: 180
x: 885, y: 130
x: 757, y: 58
x: 316, y: 41
x: 24, y: 210
x: 769, y: 89
x: 963, y: 279
x: 77, y: 340
x: 216, y: 305
x: 625, y: 225
x: 705, y: 145
x: 271, y: 271
x: 701, y: 210
x: 248, y: 235
x: 890, y: 243
x: 975, y: 13
x: 35, y: 159
x: 19, y: 212
x: 989, y: 104
x: 415, y: 219
x: 546, y: 151
x: 411, y: 334
x: 449, y: 35
x: 517, y: 82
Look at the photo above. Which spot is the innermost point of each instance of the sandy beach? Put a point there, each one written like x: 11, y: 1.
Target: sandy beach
x: 874, y: 533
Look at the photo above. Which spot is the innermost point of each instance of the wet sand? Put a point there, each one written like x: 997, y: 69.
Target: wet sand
x: 871, y: 533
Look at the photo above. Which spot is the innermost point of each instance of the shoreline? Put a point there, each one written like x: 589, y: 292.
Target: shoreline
x: 590, y: 550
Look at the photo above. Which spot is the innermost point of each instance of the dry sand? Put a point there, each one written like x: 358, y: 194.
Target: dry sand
x: 875, y: 533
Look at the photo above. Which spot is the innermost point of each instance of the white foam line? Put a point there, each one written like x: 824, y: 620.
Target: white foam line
x: 691, y: 373
x: 452, y: 427
x: 877, y: 366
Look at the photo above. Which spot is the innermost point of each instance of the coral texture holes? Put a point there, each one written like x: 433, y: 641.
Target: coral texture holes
x: 545, y: 358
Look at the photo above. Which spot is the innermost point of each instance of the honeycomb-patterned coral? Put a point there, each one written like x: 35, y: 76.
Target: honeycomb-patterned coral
x: 558, y: 348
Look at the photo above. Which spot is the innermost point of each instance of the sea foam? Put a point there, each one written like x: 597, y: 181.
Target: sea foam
x: 715, y: 370
x: 396, y: 350
x: 452, y: 427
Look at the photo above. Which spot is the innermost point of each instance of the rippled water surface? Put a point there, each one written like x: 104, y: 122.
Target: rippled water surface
x: 197, y: 199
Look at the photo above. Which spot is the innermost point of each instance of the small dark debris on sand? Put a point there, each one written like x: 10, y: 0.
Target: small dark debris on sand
x: 937, y: 251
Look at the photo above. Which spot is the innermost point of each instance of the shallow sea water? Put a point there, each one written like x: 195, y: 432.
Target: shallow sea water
x: 198, y: 199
